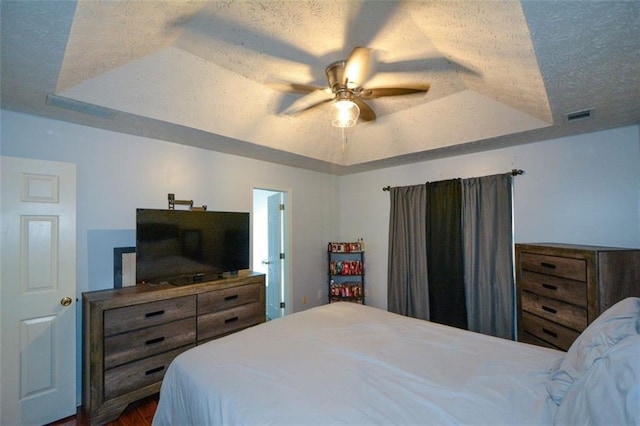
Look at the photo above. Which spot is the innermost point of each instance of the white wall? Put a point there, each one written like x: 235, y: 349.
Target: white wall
x: 118, y: 173
x: 583, y: 189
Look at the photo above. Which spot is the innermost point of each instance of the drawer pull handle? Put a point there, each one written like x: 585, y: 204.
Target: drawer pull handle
x: 550, y: 287
x: 156, y: 340
x: 229, y: 298
x: 550, y: 333
x: 154, y: 314
x: 227, y: 321
x: 548, y: 265
x: 548, y: 309
x: 154, y: 370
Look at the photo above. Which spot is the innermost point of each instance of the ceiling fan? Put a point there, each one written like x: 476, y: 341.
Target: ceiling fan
x: 346, y: 80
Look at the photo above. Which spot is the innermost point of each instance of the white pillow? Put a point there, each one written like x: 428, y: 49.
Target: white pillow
x: 619, y: 321
x: 609, y: 393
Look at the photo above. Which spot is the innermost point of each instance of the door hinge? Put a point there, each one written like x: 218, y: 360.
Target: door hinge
x: 282, y: 305
x: 281, y: 207
x: 281, y: 255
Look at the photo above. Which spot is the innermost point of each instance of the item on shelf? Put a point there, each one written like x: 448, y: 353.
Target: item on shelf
x: 345, y: 267
x: 349, y: 289
x: 357, y: 246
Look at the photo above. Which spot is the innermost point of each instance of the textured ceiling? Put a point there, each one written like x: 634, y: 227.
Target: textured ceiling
x: 199, y: 72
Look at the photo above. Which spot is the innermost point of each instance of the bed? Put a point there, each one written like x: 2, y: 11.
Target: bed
x: 349, y: 363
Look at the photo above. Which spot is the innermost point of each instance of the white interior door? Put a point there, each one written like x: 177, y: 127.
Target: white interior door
x: 38, y: 292
x: 274, y: 271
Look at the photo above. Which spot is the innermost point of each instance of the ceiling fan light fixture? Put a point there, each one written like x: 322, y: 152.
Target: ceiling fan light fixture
x: 345, y: 113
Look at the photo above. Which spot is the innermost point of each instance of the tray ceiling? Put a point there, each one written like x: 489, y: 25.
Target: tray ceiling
x: 199, y: 72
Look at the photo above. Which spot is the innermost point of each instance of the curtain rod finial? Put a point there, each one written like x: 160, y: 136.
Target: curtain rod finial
x: 387, y: 188
x: 516, y: 172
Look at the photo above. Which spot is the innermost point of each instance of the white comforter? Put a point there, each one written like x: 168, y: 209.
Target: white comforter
x: 348, y: 363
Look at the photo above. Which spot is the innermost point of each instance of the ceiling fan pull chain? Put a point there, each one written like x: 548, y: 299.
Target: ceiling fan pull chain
x: 345, y: 139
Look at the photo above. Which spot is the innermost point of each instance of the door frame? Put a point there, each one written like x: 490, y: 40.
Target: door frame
x: 286, y: 233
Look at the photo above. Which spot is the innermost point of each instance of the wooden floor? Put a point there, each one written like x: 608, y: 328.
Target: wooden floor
x: 139, y: 413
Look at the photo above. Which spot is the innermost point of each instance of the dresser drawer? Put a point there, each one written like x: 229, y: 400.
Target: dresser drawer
x: 548, y: 331
x: 135, y: 375
x: 148, y: 314
x: 554, y: 310
x: 220, y: 323
x: 149, y: 341
x: 574, y: 292
x: 564, y: 267
x: 524, y: 337
x: 219, y: 300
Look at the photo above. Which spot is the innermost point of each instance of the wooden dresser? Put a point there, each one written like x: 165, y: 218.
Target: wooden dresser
x: 562, y: 288
x: 131, y: 335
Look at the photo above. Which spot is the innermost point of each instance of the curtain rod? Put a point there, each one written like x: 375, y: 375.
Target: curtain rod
x: 513, y: 172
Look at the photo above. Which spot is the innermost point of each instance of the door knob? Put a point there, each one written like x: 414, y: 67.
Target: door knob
x: 65, y: 301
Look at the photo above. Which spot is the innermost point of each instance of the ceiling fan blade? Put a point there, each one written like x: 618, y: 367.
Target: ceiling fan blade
x: 208, y: 24
x: 366, y: 113
x: 356, y: 68
x: 293, y: 87
x: 308, y: 101
x: 365, y: 21
x: 393, y: 91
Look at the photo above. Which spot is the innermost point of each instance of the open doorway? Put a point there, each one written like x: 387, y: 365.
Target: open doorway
x: 270, y: 247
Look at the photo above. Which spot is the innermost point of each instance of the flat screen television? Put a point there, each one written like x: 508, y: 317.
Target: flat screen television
x: 184, y: 246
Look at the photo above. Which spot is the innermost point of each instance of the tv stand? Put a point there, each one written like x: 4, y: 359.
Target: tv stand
x: 130, y: 335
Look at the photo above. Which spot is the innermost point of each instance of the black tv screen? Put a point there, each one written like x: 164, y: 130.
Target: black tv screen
x: 184, y: 246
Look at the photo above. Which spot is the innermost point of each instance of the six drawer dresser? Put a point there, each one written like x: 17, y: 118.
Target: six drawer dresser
x: 131, y: 335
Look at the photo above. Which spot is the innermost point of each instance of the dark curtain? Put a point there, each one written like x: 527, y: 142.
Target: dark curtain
x: 488, y: 248
x: 451, y: 253
x: 444, y: 253
x: 407, y: 286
